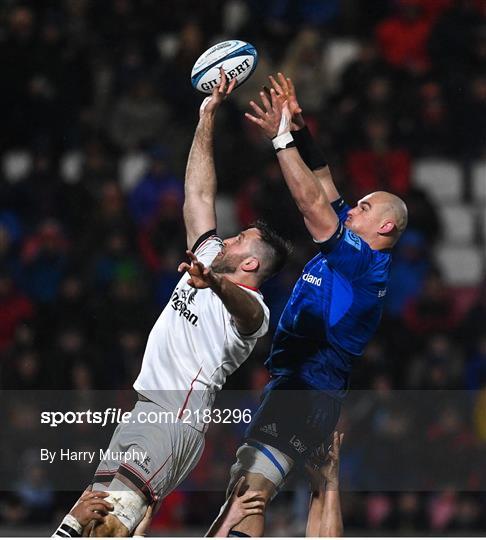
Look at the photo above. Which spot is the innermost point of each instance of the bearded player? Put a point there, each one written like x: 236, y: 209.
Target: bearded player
x: 206, y: 332
x: 333, y: 311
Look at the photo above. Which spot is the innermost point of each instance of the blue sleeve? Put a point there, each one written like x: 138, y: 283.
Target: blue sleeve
x: 347, y: 253
x: 341, y: 208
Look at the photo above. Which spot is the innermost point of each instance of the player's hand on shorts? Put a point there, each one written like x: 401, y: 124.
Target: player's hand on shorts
x: 220, y: 93
x: 323, y: 467
x: 91, y: 506
x: 330, y: 469
x: 239, y: 506
x: 201, y: 277
x: 285, y: 91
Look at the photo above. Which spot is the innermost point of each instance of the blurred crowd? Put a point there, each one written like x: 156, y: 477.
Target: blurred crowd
x: 98, y: 115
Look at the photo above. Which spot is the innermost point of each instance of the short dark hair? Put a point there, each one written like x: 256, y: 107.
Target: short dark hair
x: 277, y: 247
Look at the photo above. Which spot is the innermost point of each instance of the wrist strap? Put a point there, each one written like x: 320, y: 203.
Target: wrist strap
x: 309, y: 151
x: 69, y: 528
x: 281, y: 142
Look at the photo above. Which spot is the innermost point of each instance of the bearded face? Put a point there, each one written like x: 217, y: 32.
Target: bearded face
x: 226, y: 263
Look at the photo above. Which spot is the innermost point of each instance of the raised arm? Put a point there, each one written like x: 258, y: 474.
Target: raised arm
x: 308, y: 149
x: 325, y: 518
x: 309, y: 194
x: 200, y: 182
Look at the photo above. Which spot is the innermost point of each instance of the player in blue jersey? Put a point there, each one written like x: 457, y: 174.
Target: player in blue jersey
x: 333, y: 311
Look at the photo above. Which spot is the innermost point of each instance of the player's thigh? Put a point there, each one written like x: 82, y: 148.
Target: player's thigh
x: 266, y: 466
x: 255, y: 482
x: 146, y: 461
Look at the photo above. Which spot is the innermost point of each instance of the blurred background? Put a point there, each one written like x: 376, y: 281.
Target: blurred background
x: 97, y: 119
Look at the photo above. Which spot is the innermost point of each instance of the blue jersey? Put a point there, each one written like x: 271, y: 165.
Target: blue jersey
x: 333, y: 312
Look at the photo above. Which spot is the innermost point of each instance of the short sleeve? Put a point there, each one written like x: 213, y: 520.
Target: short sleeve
x: 207, y: 247
x: 347, y: 253
x: 341, y: 208
x: 265, y: 323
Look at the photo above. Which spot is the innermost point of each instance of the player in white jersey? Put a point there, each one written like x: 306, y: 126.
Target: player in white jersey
x: 206, y: 331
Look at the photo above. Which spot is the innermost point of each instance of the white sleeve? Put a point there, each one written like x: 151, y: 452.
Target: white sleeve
x: 208, y: 249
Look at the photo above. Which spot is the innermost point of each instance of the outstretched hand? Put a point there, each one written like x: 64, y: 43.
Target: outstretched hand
x: 201, y: 277
x: 273, y: 116
x: 285, y: 91
x: 219, y: 94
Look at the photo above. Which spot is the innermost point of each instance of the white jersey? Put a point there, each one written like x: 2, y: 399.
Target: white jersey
x: 194, y: 346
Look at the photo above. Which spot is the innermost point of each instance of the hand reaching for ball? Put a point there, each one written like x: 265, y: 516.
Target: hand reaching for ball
x: 219, y: 94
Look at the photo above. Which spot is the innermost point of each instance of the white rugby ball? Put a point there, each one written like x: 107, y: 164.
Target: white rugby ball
x: 237, y: 58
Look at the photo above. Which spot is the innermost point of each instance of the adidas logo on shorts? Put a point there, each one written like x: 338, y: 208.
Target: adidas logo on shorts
x: 270, y: 429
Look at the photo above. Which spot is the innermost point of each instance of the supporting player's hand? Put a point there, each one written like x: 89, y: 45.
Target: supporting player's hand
x: 325, y: 468
x: 142, y: 527
x: 238, y: 507
x: 201, y: 277
x: 91, y: 506
x: 285, y: 91
x: 219, y: 94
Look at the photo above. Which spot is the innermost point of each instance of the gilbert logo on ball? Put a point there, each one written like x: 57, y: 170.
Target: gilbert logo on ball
x: 237, y: 58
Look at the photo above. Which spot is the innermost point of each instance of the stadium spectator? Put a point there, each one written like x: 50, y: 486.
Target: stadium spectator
x: 378, y: 165
x: 15, y: 308
x: 403, y: 36
x: 146, y: 197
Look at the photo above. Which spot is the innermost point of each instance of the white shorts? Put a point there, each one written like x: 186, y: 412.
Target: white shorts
x: 146, y: 460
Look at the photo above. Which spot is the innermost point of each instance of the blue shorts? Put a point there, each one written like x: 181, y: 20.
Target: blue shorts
x: 294, y: 417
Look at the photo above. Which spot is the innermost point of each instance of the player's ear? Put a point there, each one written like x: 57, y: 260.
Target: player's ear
x: 387, y: 227
x: 251, y: 264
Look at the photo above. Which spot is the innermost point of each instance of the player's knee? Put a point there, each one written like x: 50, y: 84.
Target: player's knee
x: 112, y: 527
x: 263, y: 466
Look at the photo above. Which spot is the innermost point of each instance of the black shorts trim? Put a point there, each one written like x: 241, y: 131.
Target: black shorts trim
x: 138, y: 482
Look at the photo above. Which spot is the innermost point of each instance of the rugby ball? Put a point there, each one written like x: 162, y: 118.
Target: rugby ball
x: 238, y: 59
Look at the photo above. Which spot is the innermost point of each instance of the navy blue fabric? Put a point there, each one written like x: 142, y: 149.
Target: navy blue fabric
x: 294, y: 418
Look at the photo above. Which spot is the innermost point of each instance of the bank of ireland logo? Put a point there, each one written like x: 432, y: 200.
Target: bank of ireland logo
x: 312, y: 279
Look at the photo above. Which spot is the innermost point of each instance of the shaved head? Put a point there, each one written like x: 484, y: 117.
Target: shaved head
x: 394, y: 208
x: 380, y: 218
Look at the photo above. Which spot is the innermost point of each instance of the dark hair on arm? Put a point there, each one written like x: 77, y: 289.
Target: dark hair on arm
x: 279, y: 249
